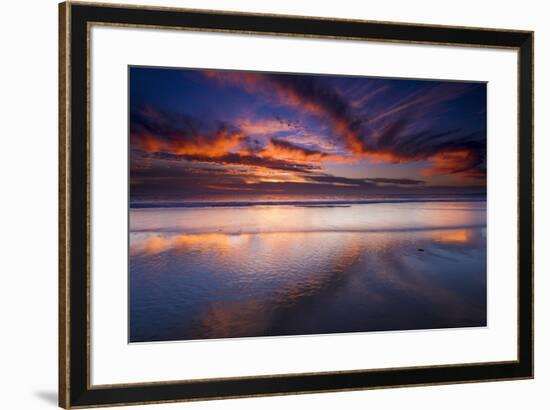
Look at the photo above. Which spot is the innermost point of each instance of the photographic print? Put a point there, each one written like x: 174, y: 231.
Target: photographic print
x: 290, y: 184
x: 276, y: 204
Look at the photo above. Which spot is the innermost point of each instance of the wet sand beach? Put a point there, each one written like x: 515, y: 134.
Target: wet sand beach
x: 270, y: 270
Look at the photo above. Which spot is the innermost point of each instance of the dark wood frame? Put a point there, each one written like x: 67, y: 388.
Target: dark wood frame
x: 75, y: 389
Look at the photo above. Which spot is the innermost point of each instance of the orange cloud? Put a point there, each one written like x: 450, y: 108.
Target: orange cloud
x: 459, y: 161
x: 215, y: 144
x: 283, y: 149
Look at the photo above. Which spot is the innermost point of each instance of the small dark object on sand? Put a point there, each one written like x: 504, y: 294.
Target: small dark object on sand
x: 420, y: 250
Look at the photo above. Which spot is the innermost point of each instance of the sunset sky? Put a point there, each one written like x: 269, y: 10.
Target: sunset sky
x: 217, y: 134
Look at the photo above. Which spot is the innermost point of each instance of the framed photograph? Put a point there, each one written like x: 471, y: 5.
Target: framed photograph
x: 264, y: 205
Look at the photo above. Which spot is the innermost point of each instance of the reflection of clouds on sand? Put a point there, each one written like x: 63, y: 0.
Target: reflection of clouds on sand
x: 216, y: 285
x: 155, y: 244
x: 233, y: 319
x: 253, y: 316
x: 436, y: 280
x: 464, y: 236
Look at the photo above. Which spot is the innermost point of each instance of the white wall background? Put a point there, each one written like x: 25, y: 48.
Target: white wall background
x: 28, y: 217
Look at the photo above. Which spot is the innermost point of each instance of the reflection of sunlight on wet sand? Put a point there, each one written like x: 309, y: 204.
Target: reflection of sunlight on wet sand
x: 454, y: 236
